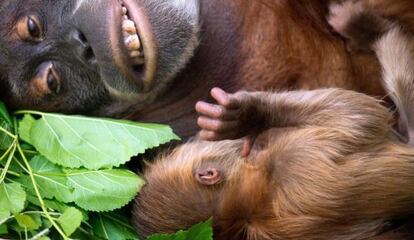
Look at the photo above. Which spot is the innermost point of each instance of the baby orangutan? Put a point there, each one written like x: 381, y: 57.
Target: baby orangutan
x: 325, y: 165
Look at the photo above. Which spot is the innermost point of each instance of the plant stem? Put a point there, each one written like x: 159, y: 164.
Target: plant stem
x: 30, y: 151
x: 42, y: 213
x: 40, y: 234
x: 21, y: 112
x: 42, y: 203
x: 20, y: 164
x: 7, y: 152
x: 10, y: 172
x: 5, y: 220
x: 10, y: 151
x: 7, y: 133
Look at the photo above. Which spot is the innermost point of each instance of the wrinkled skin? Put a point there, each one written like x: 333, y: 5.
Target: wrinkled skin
x: 189, y: 46
x: 83, y: 40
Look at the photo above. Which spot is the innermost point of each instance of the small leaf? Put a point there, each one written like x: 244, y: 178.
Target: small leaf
x: 25, y: 127
x: 85, y: 234
x: 70, y: 220
x: 201, y: 231
x: 51, y: 204
x: 12, y: 198
x: 75, y: 141
x: 4, y: 214
x: 3, y: 229
x: 5, y: 139
x: 51, y: 180
x: 7, y: 124
x: 44, y: 238
x: 103, y: 190
x: 112, y: 227
x: 26, y: 222
x: 4, y: 114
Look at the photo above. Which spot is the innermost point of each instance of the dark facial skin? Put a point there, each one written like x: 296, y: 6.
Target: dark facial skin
x: 70, y: 56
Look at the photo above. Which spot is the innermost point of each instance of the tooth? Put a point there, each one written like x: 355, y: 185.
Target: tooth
x: 138, y: 60
x: 125, y: 17
x: 129, y: 27
x: 134, y: 54
x: 124, y: 10
x: 132, y: 42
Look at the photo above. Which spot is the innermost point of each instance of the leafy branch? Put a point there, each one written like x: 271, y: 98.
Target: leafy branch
x: 59, y: 174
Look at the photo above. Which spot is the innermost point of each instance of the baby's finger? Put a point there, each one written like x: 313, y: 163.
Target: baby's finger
x: 216, y: 125
x: 223, y: 98
x: 209, y: 135
x: 216, y: 111
x: 210, y: 110
x: 247, y: 146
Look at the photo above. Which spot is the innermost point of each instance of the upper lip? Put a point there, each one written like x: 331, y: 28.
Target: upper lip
x: 141, y: 79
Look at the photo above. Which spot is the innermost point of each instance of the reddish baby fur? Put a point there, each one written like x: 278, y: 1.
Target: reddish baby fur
x: 330, y: 167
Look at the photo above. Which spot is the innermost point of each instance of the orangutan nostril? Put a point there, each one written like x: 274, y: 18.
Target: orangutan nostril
x: 46, y: 80
x: 53, y: 82
x: 82, y: 38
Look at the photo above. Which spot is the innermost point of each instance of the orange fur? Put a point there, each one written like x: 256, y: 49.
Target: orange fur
x: 332, y: 169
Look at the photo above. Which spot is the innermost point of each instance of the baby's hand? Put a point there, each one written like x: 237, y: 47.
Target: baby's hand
x: 228, y: 119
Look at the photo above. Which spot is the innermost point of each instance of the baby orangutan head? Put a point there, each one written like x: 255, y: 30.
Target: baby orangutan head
x: 183, y: 187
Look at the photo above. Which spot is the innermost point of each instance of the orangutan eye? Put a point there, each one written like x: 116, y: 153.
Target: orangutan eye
x: 29, y: 28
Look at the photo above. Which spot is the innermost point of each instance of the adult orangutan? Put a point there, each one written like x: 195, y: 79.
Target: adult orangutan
x: 155, y: 59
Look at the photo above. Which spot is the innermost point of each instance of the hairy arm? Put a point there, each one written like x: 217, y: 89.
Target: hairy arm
x: 352, y: 114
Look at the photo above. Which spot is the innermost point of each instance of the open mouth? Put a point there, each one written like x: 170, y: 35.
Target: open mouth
x: 133, y: 46
x: 131, y: 39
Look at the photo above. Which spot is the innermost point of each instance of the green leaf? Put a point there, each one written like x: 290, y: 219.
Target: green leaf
x: 12, y: 198
x: 202, y: 231
x: 27, y: 222
x: 51, y: 180
x: 75, y: 141
x: 25, y: 128
x: 112, y: 227
x: 7, y: 124
x: 5, y: 139
x: 103, y: 190
x: 85, y: 234
x: 44, y: 238
x: 70, y: 220
x: 4, y: 214
x: 51, y: 204
x: 3, y: 229
x: 94, y: 190
x: 4, y: 114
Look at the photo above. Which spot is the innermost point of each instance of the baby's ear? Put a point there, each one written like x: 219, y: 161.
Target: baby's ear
x: 208, y: 176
